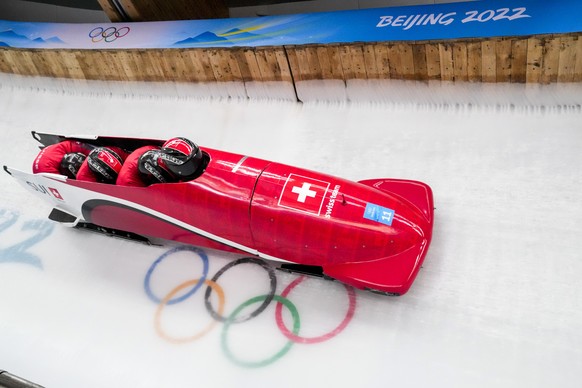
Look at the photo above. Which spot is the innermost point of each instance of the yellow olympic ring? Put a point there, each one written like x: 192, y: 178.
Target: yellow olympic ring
x: 179, y: 340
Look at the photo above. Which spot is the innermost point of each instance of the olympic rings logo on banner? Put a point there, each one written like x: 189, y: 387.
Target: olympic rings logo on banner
x: 218, y: 315
x: 109, y: 34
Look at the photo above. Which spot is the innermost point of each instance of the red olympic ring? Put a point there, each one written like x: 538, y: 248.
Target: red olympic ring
x: 324, y: 337
x: 109, y: 34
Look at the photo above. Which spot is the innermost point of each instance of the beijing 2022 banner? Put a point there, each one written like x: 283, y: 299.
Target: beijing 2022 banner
x: 426, y: 22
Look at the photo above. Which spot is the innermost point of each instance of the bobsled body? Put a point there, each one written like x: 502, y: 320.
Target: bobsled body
x: 371, y: 234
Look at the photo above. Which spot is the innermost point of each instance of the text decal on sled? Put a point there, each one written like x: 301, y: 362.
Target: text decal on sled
x: 379, y: 214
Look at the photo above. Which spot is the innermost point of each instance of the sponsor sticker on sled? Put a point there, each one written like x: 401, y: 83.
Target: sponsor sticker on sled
x: 303, y: 194
x: 378, y: 213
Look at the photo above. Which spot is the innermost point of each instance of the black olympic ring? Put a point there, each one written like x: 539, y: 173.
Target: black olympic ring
x: 267, y: 300
x: 109, y: 34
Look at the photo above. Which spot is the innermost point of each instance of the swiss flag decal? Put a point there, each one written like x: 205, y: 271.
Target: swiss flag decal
x: 56, y: 193
x: 303, y: 194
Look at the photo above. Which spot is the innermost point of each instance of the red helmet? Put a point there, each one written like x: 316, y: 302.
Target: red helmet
x: 152, y: 169
x: 71, y: 163
x: 105, y: 164
x: 182, y: 157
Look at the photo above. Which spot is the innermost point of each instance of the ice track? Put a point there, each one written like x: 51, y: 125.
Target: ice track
x: 497, y: 303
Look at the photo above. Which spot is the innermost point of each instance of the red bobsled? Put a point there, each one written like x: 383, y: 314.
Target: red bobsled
x: 373, y: 234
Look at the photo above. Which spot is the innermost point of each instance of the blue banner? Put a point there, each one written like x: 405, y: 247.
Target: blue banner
x: 425, y: 22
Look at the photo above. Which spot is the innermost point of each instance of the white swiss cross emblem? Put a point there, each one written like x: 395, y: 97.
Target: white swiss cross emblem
x: 303, y: 193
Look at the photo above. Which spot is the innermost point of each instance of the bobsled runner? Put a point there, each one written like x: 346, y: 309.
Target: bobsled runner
x: 372, y: 234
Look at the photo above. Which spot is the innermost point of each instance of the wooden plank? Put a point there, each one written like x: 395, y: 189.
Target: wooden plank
x: 154, y: 10
x: 136, y: 65
x: 460, y: 61
x: 27, y: 65
x: 488, y: 60
x: 267, y: 73
x: 124, y: 66
x: 400, y: 60
x: 474, y: 61
x: 503, y: 60
x: 85, y: 59
x: 394, y: 61
x: 252, y: 64
x: 110, y: 10
x: 233, y: 64
x: 313, y: 64
x: 356, y: 53
x: 165, y: 69
x: 9, y: 61
x: 578, y: 66
x: 53, y: 61
x: 382, y: 60
x: 406, y: 60
x: 346, y: 61
x: 219, y: 64
x: 518, y: 60
x: 370, y: 61
x: 108, y: 65
x: 304, y: 71
x: 433, y: 61
x: 446, y: 61
x: 419, y: 58
x: 335, y: 62
x: 567, y: 58
x: 168, y: 65
x: 273, y: 64
x: 291, y: 53
x: 71, y: 65
x: 534, y: 60
x: 283, y: 63
x: 112, y: 66
x: 550, y: 63
x: 324, y: 62
x: 12, y: 61
x: 242, y: 64
x: 5, y: 62
x: 174, y: 65
x: 201, y: 61
x: 145, y: 65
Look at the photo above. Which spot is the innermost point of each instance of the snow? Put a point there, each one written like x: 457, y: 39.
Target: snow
x: 497, y: 302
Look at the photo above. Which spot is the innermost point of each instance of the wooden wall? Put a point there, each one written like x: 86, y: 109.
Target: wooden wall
x: 155, y: 10
x: 537, y: 59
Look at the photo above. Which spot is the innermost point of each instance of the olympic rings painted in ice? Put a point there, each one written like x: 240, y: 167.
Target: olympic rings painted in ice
x: 262, y: 307
x: 218, y: 315
x: 109, y: 34
x: 147, y: 280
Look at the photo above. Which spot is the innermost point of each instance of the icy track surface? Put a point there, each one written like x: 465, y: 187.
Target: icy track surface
x: 497, y: 303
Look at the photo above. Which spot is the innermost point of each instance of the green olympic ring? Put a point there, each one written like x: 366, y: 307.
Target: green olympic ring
x: 232, y: 318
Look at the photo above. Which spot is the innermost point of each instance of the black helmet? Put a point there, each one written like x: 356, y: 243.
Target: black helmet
x: 71, y: 163
x: 182, y: 157
x: 152, y: 169
x: 105, y: 164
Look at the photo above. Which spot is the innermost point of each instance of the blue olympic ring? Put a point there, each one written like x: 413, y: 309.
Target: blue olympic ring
x: 147, y: 280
